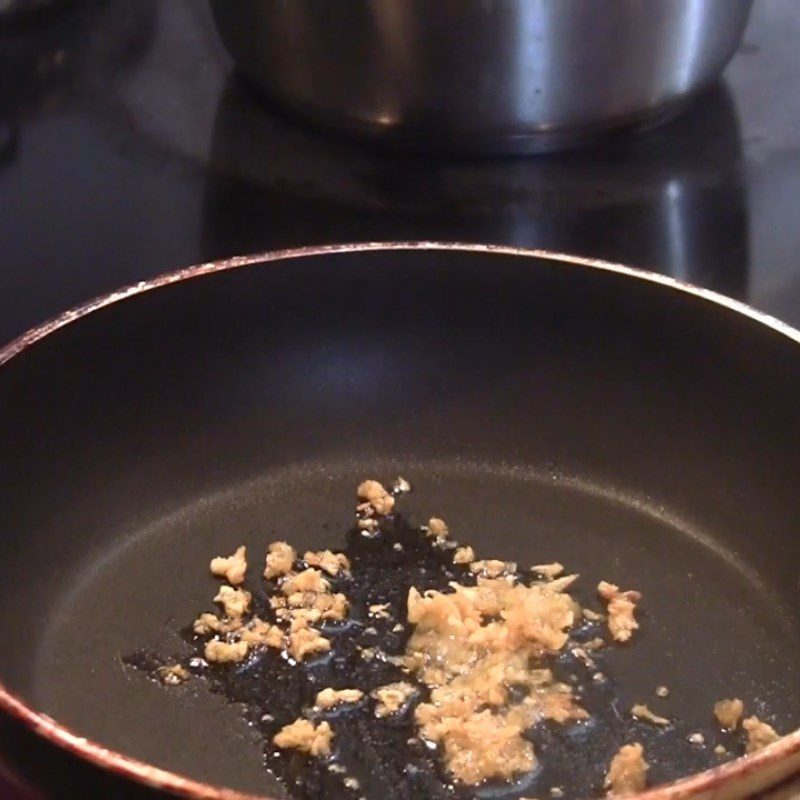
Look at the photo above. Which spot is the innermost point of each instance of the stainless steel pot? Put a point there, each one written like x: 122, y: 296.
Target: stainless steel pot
x: 482, y: 76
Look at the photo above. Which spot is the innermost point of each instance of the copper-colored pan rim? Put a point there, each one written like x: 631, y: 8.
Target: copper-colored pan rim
x: 157, y: 778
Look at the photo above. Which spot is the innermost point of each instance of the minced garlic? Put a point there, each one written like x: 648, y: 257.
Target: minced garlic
x: 258, y: 633
x: 492, y: 567
x: 392, y: 697
x: 641, y: 711
x: 224, y: 652
x: 477, y: 652
x: 759, y: 734
x: 438, y: 528
x: 621, y: 605
x: 235, y: 602
x: 232, y: 567
x: 330, y: 562
x: 173, y: 674
x: 464, y: 555
x: 315, y: 606
x: 305, y: 736
x: 729, y: 712
x: 309, y: 580
x: 305, y: 641
x: 548, y: 571
x: 469, y: 646
x: 627, y: 771
x: 374, y: 498
x: 379, y: 610
x: 328, y: 698
x: 280, y: 560
x: 206, y: 624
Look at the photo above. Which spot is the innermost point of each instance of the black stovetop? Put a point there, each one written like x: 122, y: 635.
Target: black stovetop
x: 129, y: 149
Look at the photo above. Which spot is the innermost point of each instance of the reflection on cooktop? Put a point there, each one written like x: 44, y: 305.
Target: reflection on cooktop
x: 672, y: 199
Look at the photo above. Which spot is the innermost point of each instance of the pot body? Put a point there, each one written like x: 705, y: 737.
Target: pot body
x: 482, y: 76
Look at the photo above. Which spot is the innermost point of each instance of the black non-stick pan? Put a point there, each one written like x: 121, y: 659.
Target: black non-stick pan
x: 547, y: 407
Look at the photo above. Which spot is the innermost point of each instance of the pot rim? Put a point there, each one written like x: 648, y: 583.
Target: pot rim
x: 710, y: 780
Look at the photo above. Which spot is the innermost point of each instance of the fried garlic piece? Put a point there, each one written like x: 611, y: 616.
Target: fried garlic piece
x: 326, y: 560
x: 392, y: 697
x: 304, y: 735
x: 374, y: 498
x: 438, y: 528
x: 464, y: 555
x: 235, y: 602
x: 759, y: 734
x: 548, y: 571
x: 258, y: 633
x: 173, y: 674
x: 729, y: 712
x: 627, y: 771
x: 232, y: 568
x: 305, y: 641
x: 329, y: 698
x: 280, y: 559
x: 641, y: 711
x: 309, y: 580
x: 621, y: 607
x: 226, y: 652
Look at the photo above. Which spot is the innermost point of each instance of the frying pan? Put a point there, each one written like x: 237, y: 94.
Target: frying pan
x: 548, y: 407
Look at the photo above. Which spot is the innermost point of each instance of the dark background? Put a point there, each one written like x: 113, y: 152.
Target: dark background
x: 127, y: 149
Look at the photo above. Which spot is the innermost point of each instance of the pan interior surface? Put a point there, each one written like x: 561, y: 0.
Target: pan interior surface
x: 548, y: 412
x: 696, y: 615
